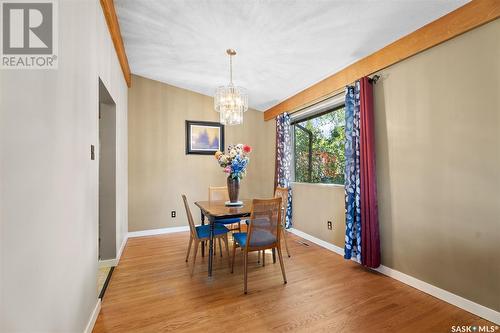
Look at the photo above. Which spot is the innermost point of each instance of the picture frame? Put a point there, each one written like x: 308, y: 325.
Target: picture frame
x: 204, y: 137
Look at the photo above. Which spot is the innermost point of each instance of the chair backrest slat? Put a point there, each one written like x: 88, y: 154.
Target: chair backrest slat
x: 282, y: 192
x: 192, y: 227
x: 217, y: 193
x: 264, y: 223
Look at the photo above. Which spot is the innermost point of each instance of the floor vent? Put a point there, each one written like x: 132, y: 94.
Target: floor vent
x: 303, y: 243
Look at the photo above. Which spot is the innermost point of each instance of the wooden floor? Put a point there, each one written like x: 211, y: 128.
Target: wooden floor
x: 152, y: 291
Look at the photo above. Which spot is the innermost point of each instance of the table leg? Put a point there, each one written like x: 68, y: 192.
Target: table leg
x: 202, y: 243
x: 274, y: 255
x: 211, y: 248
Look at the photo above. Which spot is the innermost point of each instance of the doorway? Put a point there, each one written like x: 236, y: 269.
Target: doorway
x: 107, y: 186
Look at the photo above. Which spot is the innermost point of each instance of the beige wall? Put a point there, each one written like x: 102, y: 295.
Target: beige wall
x: 438, y: 162
x: 438, y: 158
x: 316, y: 204
x: 49, y: 184
x: 159, y: 169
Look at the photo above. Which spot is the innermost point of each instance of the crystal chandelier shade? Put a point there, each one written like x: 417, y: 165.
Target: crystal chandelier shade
x: 231, y: 101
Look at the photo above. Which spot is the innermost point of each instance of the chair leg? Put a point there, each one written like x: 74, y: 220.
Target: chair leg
x: 258, y: 257
x: 286, y: 242
x: 226, y: 241
x: 245, y: 272
x: 196, y: 244
x: 220, y: 246
x: 234, y: 254
x: 274, y: 255
x: 263, y: 257
x: 189, y: 247
x: 281, y: 264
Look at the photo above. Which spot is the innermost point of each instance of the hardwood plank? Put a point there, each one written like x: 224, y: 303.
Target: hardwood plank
x: 108, y: 9
x: 151, y: 290
x: 461, y: 20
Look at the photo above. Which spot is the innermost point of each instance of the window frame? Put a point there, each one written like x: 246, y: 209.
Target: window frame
x: 331, y: 104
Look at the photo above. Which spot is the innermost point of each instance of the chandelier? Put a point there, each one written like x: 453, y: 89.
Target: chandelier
x: 231, y: 101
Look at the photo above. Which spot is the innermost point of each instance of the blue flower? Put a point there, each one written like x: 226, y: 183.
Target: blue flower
x: 238, y: 166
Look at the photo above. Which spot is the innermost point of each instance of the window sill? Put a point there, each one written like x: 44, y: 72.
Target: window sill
x: 317, y: 184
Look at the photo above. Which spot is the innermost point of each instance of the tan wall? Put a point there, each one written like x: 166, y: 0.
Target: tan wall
x: 438, y: 162
x: 438, y: 159
x: 159, y: 169
x: 314, y: 205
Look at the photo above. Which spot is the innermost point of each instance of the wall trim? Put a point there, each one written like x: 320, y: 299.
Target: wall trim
x: 444, y: 295
x: 320, y: 242
x: 161, y: 231
x: 470, y: 16
x: 93, y: 317
x: 108, y: 8
x: 122, y: 247
x: 115, y: 261
x: 108, y: 263
x: 458, y: 301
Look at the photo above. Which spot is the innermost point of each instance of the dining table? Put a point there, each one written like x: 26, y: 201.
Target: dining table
x: 215, y: 210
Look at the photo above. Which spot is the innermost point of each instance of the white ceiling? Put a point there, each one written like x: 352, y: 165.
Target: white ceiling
x: 283, y: 46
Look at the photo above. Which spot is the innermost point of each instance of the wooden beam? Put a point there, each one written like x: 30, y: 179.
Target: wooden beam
x: 461, y: 20
x: 108, y: 8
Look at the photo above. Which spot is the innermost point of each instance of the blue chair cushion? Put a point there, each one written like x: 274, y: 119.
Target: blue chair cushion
x: 260, y: 238
x: 228, y: 220
x: 203, y: 231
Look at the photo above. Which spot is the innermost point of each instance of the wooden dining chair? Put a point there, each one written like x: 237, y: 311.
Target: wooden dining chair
x: 220, y: 193
x: 202, y: 234
x: 282, y: 192
x: 264, y: 232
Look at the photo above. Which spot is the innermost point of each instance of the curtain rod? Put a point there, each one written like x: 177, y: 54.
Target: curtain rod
x: 372, y: 79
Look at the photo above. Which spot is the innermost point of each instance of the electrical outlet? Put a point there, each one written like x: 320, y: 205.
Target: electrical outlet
x: 173, y: 214
x: 329, y: 225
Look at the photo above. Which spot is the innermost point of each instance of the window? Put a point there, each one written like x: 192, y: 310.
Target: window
x: 319, y: 147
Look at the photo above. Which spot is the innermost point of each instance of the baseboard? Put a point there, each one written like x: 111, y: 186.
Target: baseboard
x: 114, y: 262
x: 448, y: 297
x: 318, y: 241
x: 120, y: 251
x: 161, y: 231
x: 93, y: 317
x: 108, y: 263
x: 458, y: 301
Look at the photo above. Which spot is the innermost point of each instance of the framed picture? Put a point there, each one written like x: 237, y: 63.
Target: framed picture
x: 204, y: 137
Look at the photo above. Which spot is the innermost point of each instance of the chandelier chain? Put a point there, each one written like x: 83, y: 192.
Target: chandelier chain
x: 231, y: 101
x: 231, y: 68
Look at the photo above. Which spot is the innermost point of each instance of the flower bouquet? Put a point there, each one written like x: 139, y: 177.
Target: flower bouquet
x: 234, y: 162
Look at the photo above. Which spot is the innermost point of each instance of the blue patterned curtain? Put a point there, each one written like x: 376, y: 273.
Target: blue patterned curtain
x: 282, y: 173
x: 352, y: 176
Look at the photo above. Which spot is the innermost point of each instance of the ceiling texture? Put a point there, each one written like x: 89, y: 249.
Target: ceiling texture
x: 283, y: 46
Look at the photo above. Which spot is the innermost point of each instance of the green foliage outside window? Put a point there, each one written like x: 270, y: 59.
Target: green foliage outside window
x: 319, y: 148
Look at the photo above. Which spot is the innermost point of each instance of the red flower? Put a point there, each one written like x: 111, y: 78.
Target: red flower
x: 247, y: 149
